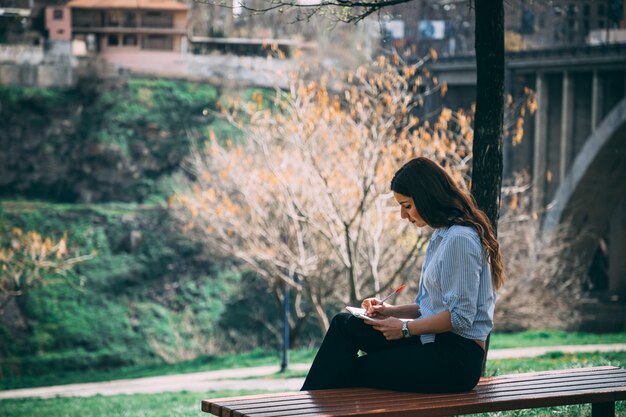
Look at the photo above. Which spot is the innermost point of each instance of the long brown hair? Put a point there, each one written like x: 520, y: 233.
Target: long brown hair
x: 441, y: 203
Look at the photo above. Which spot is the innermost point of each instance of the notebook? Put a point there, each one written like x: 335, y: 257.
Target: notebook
x: 360, y: 313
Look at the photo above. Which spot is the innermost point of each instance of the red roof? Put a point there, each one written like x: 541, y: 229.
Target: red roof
x: 128, y: 4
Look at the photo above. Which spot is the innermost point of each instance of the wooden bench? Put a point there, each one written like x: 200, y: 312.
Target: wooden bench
x: 600, y: 386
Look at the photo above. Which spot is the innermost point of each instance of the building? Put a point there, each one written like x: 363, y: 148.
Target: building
x: 448, y: 25
x: 565, y: 23
x: 138, y: 25
x: 141, y: 35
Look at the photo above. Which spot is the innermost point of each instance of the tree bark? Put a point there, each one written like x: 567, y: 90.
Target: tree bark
x: 488, y: 122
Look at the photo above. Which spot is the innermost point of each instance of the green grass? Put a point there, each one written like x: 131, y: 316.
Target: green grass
x: 552, y: 361
x: 207, y: 363
x: 262, y: 357
x: 551, y: 338
x: 180, y: 404
x: 188, y: 404
x: 555, y: 360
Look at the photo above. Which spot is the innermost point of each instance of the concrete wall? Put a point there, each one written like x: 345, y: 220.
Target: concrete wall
x: 37, y: 67
x: 143, y: 61
x: 617, y: 249
x: 599, y: 316
x: 42, y: 75
x: 55, y: 75
x: 582, y: 112
x: 18, y: 74
x: 58, y: 52
x: 21, y: 54
x: 553, y: 137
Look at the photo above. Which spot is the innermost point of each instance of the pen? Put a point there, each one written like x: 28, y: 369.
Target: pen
x: 400, y: 288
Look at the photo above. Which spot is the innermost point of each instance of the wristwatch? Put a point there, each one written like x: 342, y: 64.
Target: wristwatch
x: 405, y: 329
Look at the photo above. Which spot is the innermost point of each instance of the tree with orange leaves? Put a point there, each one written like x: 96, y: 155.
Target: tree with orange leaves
x: 29, y: 260
x: 305, y: 201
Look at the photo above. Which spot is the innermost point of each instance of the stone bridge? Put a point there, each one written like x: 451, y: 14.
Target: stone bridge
x: 574, y: 147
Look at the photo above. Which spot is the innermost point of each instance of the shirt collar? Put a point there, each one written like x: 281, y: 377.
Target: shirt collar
x: 440, y: 233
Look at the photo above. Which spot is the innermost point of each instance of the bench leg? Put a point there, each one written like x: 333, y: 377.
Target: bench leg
x: 603, y: 409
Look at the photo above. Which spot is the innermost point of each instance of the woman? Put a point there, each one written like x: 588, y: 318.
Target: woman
x: 437, y: 343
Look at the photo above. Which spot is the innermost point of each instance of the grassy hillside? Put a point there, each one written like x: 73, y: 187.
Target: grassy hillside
x: 100, y: 141
x: 150, y: 295
x: 97, y: 162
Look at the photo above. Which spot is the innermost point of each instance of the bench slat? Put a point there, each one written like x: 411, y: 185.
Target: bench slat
x: 508, y: 390
x: 493, y: 390
x: 350, y: 408
x: 528, y: 390
x: 601, y: 394
x: 213, y: 406
x: 494, y: 385
x: 509, y: 403
x: 236, y: 402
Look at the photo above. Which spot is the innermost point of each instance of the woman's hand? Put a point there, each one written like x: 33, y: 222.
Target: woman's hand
x: 391, y: 327
x: 374, y: 308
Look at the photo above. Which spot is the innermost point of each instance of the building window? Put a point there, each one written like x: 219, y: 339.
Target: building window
x: 57, y: 14
x: 158, y: 42
x: 130, y: 20
x: 60, y: 32
x: 113, y: 40
x: 113, y: 18
x: 85, y: 18
x: 129, y: 40
x: 157, y: 20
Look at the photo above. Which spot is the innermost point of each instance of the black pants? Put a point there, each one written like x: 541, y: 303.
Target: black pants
x: 451, y: 364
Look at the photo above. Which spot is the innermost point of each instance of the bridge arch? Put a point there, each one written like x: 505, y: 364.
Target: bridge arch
x: 592, y: 189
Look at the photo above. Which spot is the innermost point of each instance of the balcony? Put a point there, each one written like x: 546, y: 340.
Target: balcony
x: 157, y: 20
x: 98, y: 21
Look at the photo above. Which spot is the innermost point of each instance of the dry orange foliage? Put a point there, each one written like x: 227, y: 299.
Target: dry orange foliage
x: 28, y: 260
x: 305, y: 199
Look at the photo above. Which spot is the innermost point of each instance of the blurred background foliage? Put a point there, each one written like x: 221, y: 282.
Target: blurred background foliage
x: 96, y: 162
x: 100, y: 141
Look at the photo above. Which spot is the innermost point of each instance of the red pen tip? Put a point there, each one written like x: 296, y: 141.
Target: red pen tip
x: 400, y: 288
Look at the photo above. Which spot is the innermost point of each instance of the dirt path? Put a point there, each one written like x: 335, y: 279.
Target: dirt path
x: 245, y: 378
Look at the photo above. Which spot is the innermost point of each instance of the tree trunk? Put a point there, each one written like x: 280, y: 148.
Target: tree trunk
x: 488, y: 122
x: 354, y: 293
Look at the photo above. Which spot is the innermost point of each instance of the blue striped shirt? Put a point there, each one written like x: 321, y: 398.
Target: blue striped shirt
x: 456, y: 276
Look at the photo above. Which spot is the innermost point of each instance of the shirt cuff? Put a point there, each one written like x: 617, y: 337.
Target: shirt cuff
x: 459, y: 321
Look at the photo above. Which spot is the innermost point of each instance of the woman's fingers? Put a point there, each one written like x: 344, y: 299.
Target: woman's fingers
x: 390, y: 328
x: 377, y: 308
x: 369, y: 303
